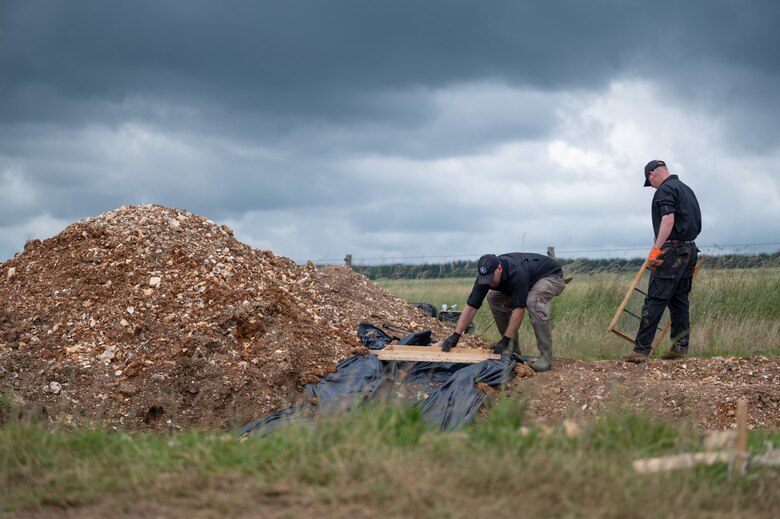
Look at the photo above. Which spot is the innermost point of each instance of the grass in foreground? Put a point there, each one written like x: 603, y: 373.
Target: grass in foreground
x: 382, y: 461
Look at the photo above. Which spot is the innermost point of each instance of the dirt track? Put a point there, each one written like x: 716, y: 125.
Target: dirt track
x: 148, y: 317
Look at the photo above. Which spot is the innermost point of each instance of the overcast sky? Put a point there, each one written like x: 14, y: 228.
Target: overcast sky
x: 395, y: 129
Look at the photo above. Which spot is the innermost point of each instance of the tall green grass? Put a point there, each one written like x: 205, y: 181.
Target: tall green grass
x: 733, y: 312
x: 381, y: 461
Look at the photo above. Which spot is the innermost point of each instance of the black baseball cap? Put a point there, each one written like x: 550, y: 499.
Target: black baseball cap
x: 486, y: 265
x: 650, y: 166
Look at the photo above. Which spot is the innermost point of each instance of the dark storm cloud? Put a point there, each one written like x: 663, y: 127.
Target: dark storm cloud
x: 301, y: 58
x: 278, y: 63
x: 68, y: 62
x: 226, y: 107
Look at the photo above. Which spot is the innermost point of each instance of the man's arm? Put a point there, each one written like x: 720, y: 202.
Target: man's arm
x: 466, y: 316
x: 664, y: 230
x: 515, y: 320
x: 655, y: 258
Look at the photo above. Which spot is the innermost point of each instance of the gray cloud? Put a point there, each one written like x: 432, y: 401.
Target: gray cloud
x: 391, y: 128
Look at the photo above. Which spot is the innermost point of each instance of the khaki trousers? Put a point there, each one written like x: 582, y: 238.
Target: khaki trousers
x: 538, y: 304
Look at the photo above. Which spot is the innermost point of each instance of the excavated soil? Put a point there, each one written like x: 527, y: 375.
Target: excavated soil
x: 152, y: 318
x: 148, y: 317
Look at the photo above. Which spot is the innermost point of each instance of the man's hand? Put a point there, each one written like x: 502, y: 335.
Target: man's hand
x: 501, y: 345
x: 450, y: 342
x: 655, y: 258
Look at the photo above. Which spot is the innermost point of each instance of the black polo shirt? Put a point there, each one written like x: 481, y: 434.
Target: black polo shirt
x: 521, y: 271
x: 675, y: 197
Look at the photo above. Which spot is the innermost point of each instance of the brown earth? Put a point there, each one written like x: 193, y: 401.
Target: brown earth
x: 699, y: 391
x: 152, y: 318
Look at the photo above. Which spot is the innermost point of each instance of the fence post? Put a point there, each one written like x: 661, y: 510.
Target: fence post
x: 348, y: 260
x: 551, y: 252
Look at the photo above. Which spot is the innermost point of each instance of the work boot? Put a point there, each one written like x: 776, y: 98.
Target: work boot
x: 636, y: 357
x: 673, y: 355
x: 544, y: 343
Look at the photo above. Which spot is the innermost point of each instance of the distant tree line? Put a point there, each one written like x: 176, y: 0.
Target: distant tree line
x: 465, y: 269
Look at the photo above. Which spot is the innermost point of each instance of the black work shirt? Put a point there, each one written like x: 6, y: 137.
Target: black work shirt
x: 521, y: 271
x: 675, y: 197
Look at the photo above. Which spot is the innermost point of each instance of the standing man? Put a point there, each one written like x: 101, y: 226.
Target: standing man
x: 676, y: 223
x: 513, y: 282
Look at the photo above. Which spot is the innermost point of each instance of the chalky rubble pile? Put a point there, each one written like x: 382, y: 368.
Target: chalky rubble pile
x: 148, y: 317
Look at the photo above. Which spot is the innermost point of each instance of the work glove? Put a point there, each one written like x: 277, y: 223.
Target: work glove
x: 655, y: 258
x: 501, y: 345
x: 450, y: 342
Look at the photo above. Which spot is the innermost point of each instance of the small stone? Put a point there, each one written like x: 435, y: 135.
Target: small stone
x: 127, y: 389
x: 11, y: 273
x: 155, y: 281
x: 124, y: 323
x: 107, y: 355
x: 131, y: 310
x: 55, y: 388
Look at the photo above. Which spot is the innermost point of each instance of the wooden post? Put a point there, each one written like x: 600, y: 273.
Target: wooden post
x: 348, y: 260
x: 740, y: 445
x: 551, y: 252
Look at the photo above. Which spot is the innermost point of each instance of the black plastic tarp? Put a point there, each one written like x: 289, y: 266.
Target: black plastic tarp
x: 446, y: 393
x: 372, y: 337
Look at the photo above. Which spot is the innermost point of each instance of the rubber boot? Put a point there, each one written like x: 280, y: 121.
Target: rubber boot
x: 544, y: 343
x: 502, y: 321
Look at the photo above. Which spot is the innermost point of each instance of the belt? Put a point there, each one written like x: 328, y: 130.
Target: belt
x: 678, y: 241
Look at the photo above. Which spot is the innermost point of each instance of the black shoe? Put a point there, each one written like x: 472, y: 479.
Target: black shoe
x: 635, y: 357
x: 673, y: 355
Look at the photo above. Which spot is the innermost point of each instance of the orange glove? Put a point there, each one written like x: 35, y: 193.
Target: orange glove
x: 655, y: 258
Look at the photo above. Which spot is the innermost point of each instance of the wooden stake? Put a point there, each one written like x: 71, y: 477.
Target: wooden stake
x: 680, y: 461
x: 740, y: 446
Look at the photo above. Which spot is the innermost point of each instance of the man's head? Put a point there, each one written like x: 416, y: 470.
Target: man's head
x: 655, y: 173
x: 486, y: 269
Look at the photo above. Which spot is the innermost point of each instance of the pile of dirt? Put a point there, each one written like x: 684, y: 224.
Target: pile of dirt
x: 148, y: 317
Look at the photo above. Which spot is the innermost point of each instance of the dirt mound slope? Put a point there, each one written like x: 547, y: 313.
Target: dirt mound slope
x: 149, y: 317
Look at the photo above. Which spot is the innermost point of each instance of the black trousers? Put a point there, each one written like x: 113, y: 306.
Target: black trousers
x: 669, y: 286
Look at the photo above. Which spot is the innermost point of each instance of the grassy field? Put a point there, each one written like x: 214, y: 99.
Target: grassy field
x: 379, y: 462
x: 733, y: 312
